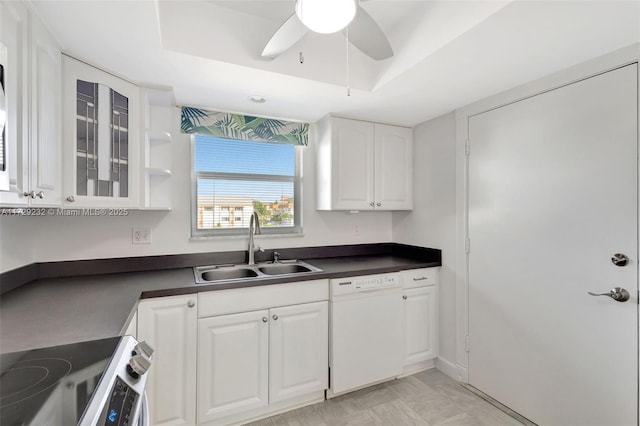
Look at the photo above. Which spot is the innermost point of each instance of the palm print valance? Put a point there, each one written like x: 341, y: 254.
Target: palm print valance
x: 243, y: 127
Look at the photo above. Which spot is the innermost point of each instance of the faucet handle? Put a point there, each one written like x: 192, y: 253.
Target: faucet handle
x: 258, y: 248
x: 276, y: 257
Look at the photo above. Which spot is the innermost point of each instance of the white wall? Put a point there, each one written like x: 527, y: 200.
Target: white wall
x: 16, y: 243
x: 65, y: 238
x: 432, y: 223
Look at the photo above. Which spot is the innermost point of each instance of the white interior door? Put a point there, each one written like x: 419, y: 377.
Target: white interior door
x: 552, y: 196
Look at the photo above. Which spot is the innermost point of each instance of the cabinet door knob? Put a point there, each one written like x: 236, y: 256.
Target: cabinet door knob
x: 265, y: 319
x: 31, y: 194
x: 371, y: 204
x: 275, y: 317
x: 40, y: 194
x: 404, y: 297
x: 619, y: 259
x: 378, y: 204
x: 71, y: 198
x: 191, y: 303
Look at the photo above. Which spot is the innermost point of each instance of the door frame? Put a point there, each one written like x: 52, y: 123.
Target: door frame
x: 591, y: 68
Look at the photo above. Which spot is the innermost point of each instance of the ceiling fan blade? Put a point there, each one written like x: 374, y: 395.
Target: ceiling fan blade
x: 366, y: 35
x: 286, y: 36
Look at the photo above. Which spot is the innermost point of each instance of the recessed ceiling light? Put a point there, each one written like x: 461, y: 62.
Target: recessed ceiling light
x: 257, y: 99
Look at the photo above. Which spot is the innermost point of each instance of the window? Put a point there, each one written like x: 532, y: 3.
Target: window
x: 233, y: 178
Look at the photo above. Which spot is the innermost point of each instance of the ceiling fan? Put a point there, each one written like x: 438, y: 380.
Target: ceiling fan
x: 328, y: 16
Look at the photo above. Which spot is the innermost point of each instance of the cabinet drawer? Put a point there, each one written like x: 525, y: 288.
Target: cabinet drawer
x: 419, y: 277
x: 246, y: 299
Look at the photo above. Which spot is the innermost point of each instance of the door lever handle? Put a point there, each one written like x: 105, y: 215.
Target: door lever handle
x: 618, y: 294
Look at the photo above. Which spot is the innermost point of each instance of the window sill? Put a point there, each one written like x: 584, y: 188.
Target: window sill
x: 245, y: 236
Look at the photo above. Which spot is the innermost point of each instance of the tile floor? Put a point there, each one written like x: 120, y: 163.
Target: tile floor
x: 428, y: 398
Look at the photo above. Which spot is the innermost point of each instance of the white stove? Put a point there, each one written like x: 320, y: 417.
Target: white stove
x: 99, y: 382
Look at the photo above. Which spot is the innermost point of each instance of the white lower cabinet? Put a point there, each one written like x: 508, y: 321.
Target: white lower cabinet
x: 420, y: 314
x: 233, y: 364
x: 250, y: 363
x: 229, y: 356
x: 299, y: 350
x: 169, y: 325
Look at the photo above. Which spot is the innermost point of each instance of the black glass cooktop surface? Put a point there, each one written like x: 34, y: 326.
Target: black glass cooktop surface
x: 51, y: 385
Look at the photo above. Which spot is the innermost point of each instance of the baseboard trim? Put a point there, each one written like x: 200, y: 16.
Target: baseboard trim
x: 268, y: 411
x: 500, y: 406
x: 463, y: 373
x: 408, y: 370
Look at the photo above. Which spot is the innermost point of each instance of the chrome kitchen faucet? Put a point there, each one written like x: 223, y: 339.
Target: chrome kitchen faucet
x: 254, y: 229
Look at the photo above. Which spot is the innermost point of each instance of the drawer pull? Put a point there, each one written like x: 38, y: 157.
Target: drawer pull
x: 421, y: 279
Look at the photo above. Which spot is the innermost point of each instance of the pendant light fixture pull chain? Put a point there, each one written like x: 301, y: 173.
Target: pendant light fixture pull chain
x: 300, y: 57
x: 348, y: 76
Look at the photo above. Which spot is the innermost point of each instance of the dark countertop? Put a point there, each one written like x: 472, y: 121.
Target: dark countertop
x: 56, y: 311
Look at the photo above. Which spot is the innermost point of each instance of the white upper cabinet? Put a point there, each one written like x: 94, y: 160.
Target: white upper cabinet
x: 102, y: 124
x: 363, y: 165
x: 345, y: 164
x: 45, y: 124
x: 30, y: 170
x: 14, y: 57
x: 393, y: 174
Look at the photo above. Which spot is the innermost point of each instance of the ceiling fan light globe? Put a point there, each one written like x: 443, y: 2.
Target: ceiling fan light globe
x: 326, y: 16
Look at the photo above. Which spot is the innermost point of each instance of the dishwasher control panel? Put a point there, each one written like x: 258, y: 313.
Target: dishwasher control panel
x: 364, y: 283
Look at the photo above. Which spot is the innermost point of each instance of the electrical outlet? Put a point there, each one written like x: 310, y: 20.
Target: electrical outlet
x: 355, y: 230
x: 141, y: 236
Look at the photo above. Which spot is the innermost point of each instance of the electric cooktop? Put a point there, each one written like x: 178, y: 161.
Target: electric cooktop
x: 55, y: 385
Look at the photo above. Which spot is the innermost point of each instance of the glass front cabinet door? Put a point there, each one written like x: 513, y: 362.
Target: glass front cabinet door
x: 101, y: 138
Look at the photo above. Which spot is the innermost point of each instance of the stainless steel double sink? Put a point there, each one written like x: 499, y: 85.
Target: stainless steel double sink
x: 219, y: 273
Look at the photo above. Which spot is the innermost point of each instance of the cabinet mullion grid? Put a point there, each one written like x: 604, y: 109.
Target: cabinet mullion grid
x: 88, y: 142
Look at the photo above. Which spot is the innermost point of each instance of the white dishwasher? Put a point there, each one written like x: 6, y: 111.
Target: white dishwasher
x: 366, y: 331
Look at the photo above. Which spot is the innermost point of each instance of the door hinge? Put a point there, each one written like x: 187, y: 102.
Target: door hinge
x: 467, y: 245
x: 467, y: 146
x: 467, y: 345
